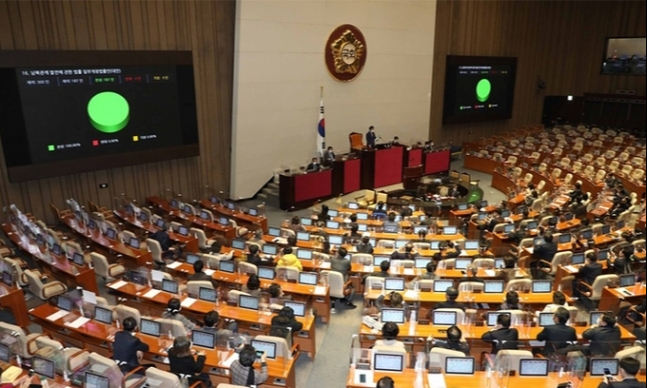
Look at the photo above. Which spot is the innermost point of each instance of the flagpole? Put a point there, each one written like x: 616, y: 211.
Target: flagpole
x: 321, y: 127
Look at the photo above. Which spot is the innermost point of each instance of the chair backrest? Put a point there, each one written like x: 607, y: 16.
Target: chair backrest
x: 600, y: 282
x: 362, y: 258
x: 321, y: 256
x: 232, y: 296
x: 16, y: 266
x: 34, y: 282
x: 193, y: 287
x: 289, y: 273
x: 159, y: 378
x: 636, y: 352
x: 374, y: 283
x: 508, y: 359
x: 155, y: 249
x: 75, y: 359
x: 211, y: 261
x: 388, y: 244
x: 519, y: 285
x: 100, y: 264
x: 560, y: 258
x: 438, y: 355
x: 335, y: 282
x: 460, y: 314
x: 247, y: 268
x: 421, y: 246
x: 122, y: 312
x: 426, y: 284
x: 356, y: 141
x: 176, y: 327
x: 483, y: 263
x: 18, y: 333
x: 200, y: 235
x: 106, y: 367
x: 470, y: 286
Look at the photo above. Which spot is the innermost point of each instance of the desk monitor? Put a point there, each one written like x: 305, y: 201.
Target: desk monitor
x: 299, y: 308
x: 377, y: 260
x: 420, y: 230
x: 481, y: 216
x: 362, y: 216
x: 577, y: 258
x: 598, y: 365
x: 586, y: 234
x: 174, y: 203
x: 603, y: 254
x: 252, y: 212
x: 532, y: 225
x: 505, y: 213
x: 266, y: 273
x: 224, y: 221
x: 92, y: 224
x: 564, y: 238
x: 226, y: 266
x: 434, y: 245
x: 392, y: 315
x: 187, y: 209
x: 390, y: 229
x: 546, y: 319
x: 442, y: 285
x: 594, y: 317
x: 459, y: 365
x: 353, y: 205
x: 303, y: 236
x: 269, y: 348
x: 333, y: 212
x: 449, y: 230
x: 64, y: 303
x: 133, y: 242
x: 388, y: 362
x: 238, y: 244
x: 137, y: 277
x: 111, y: 233
x: 400, y: 243
x: 462, y: 206
x: 7, y: 278
x: 78, y: 259
x: 214, y: 199
x: 394, y: 284
x: 568, y: 216
x: 275, y: 232
x: 304, y: 254
x: 483, y: 203
x: 462, y: 263
x: 444, y: 317
x: 499, y: 263
x: 103, y: 315
x: 248, y: 302
x: 362, y: 227
x: 192, y: 258
x: 541, y: 286
x: 493, y: 286
x: 205, y: 215
x: 306, y: 221
x: 606, y: 229
x: 492, y: 316
x: 309, y: 278
x: 335, y: 240
x: 422, y: 262
x: 230, y: 205
x: 422, y: 218
x: 57, y: 250
x: 508, y: 228
x: 208, y: 294
x: 203, y: 338
x: 95, y: 380
x: 471, y: 245
x: 44, y: 367
x: 332, y: 224
x: 627, y: 280
x: 5, y: 353
x: 270, y: 249
x: 183, y: 230
x: 170, y: 286
x: 160, y: 223
x: 533, y: 367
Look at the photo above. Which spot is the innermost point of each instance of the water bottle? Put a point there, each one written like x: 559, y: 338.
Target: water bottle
x: 412, y: 323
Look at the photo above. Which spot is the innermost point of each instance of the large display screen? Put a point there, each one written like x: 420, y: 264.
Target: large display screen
x: 65, y: 112
x: 624, y: 56
x: 478, y: 88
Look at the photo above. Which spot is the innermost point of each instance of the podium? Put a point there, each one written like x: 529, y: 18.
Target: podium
x: 346, y: 175
x: 302, y: 190
x: 436, y: 161
x: 382, y: 167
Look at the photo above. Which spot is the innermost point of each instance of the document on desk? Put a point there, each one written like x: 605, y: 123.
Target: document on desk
x: 57, y: 315
x: 188, y: 302
x: 490, y: 272
x: 209, y: 271
x: 436, y: 380
x: 411, y: 294
x: 78, y: 322
x: 320, y: 290
x: 571, y: 268
x: 173, y: 265
x: 325, y: 265
x: 117, y: 285
x: 151, y: 293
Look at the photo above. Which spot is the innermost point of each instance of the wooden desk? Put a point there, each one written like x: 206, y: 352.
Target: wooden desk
x: 71, y: 274
x: 611, y: 297
x: 430, y: 298
x: 190, y: 242
x: 244, y: 218
x: 12, y: 298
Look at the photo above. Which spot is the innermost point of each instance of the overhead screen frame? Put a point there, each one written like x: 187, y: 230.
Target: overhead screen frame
x: 46, y: 58
x: 607, y: 40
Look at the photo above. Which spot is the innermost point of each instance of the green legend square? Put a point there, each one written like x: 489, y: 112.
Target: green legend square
x: 51, y: 147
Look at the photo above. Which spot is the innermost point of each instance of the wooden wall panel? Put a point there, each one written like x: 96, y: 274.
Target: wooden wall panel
x: 561, y: 42
x: 205, y: 27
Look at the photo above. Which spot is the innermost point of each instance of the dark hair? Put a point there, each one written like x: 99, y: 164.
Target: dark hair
x: 431, y: 266
x: 366, y: 239
x: 390, y: 330
x: 408, y: 247
x: 181, y: 347
x: 503, y: 320
x: 548, y: 237
x: 353, y: 217
x: 386, y: 381
x: 342, y: 252
x: 562, y: 315
x: 173, y: 306
x: 384, y: 265
x: 295, y: 220
x: 609, y: 319
x: 559, y: 298
x: 275, y: 290
x: 451, y: 293
x: 630, y: 365
x: 454, y: 334
x: 287, y: 250
x: 129, y: 323
x: 391, y: 216
x: 197, y: 266
x: 592, y: 257
x: 247, y: 356
x: 253, y: 249
x: 396, y: 299
x: 512, y: 298
x: 211, y: 318
x: 253, y: 283
x: 354, y: 228
x: 286, y: 312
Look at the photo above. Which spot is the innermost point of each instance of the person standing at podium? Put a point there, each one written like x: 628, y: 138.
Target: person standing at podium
x: 370, y: 137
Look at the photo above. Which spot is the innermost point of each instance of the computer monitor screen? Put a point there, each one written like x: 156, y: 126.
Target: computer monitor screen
x: 422, y: 262
x: 226, y: 266
x: 299, y: 308
x: 493, y: 286
x: 253, y: 212
x: 390, y: 228
x: 208, y: 294
x: 603, y: 254
x: 394, y: 284
x: 482, y: 216
x: 577, y: 258
x: 203, y: 338
x: 169, y: 286
x: 187, y: 209
x: 192, y: 258
x: 586, y: 234
x: 64, y: 303
x: 332, y: 224
x: 205, y: 215
x: 5, y: 353
x: 353, y: 205
x: 533, y: 367
x: 7, y: 278
x: 362, y: 227
x: 531, y: 225
x: 606, y: 229
x: 183, y: 230
x: 388, y: 362
x: 270, y: 249
x: 57, y: 250
x: 77, y: 258
x: 160, y: 223
x: 137, y: 277
x: 238, y: 244
x: 95, y: 380
x: 568, y: 216
x: 508, y: 228
x: 276, y: 232
x: 303, y: 236
x: 150, y: 327
x: 174, y: 203
x: 442, y: 285
x: 133, y: 242
x: 471, y: 245
x: 540, y: 286
x: 594, y: 317
x: 449, y: 230
x: 420, y: 229
x: 462, y: 206
x: 43, y: 367
x: 269, y: 348
x: 103, y: 315
x: 546, y: 319
x: 230, y: 205
x: 492, y: 316
x: 627, y: 280
x: 462, y: 263
x: 92, y: 224
x: 304, y: 254
x: 362, y: 216
x: 335, y: 240
x: 459, y: 365
x: 377, y: 260
x: 266, y: 273
x: 333, y: 212
x: 392, y: 315
x: 598, y: 365
x: 564, y: 238
x: 505, y: 213
x: 111, y: 233
x: 444, y: 317
x: 619, y: 225
x: 308, y: 278
x: 499, y: 263
x: 306, y: 221
x: 224, y: 221
x: 248, y: 302
x: 483, y: 204
x: 434, y: 245
x: 400, y: 243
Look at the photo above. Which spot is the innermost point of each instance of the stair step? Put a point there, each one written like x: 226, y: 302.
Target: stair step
x: 273, y: 185
x: 270, y: 191
x: 262, y: 195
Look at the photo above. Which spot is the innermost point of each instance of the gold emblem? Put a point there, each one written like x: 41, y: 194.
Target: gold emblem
x: 347, y: 51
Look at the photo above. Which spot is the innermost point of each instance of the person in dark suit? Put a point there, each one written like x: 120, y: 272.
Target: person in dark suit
x: 591, y: 270
x: 502, y: 336
x: 182, y: 362
x: 329, y: 157
x: 408, y: 253
x: 199, y: 275
x: 453, y: 342
x: 543, y: 251
x: 451, y: 294
x: 622, y: 263
x: 314, y: 165
x: 628, y: 369
x: 558, y: 335
x: 604, y: 337
x: 370, y: 137
x: 284, y: 323
x: 365, y: 244
x: 254, y: 257
x: 128, y: 349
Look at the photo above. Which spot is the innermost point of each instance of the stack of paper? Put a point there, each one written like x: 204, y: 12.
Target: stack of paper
x: 173, y: 265
x: 117, y: 285
x: 151, y: 293
x: 78, y: 322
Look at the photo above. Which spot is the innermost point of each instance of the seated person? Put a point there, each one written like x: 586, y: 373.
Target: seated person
x: 182, y: 362
x: 211, y: 325
x: 502, y: 336
x: 383, y: 273
x: 255, y: 258
x: 395, y: 301
x: 277, y: 297
x: 429, y: 275
x: 451, y: 294
x: 314, y: 165
x: 627, y: 371
x: 295, y: 225
x: 289, y: 259
x: 471, y: 275
x: 622, y: 262
x: 253, y: 286
x: 199, y: 275
x: 390, y: 333
x: 559, y: 335
x: 172, y: 311
x: 390, y: 225
x: 283, y: 321
x: 453, y: 341
x: 385, y: 382
x: 604, y: 338
x: 353, y: 236
x: 128, y: 350
x: 409, y: 253
x: 163, y: 238
x: 511, y: 301
x: 242, y: 370
x: 323, y: 216
x: 559, y: 300
x: 364, y: 246
x: 589, y: 272
x: 380, y: 210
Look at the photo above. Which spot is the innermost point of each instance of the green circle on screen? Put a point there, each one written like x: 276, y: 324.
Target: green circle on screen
x: 109, y: 112
x: 483, y: 89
